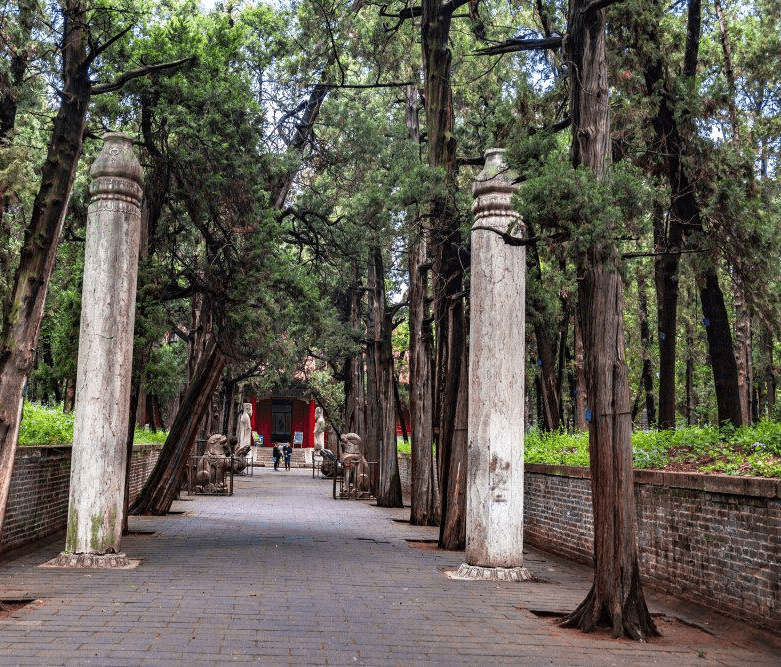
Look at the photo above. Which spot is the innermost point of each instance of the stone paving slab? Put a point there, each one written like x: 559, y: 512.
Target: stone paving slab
x: 282, y: 574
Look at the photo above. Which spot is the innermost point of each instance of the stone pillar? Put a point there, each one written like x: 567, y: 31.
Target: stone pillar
x: 105, y: 359
x: 494, y: 521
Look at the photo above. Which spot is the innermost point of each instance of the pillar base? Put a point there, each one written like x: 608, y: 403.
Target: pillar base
x: 97, y: 561
x: 478, y: 573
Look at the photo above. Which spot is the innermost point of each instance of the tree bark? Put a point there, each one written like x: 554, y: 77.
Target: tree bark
x: 424, y: 500
x: 580, y: 391
x: 165, y: 479
x: 645, y: 345
x: 743, y: 347
x: 424, y: 495
x: 452, y: 533
x: 379, y: 367
x: 546, y: 348
x: 354, y: 390
x: 766, y: 338
x: 22, y: 315
x: 616, y: 596
x: 686, y: 223
x: 18, y: 57
x: 447, y: 270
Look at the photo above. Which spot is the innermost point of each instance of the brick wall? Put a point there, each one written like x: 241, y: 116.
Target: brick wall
x: 711, y: 539
x: 38, y: 496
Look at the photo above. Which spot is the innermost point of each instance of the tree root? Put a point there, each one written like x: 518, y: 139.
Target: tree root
x: 632, y: 620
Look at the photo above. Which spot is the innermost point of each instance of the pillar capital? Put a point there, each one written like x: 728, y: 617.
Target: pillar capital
x: 116, y: 172
x: 493, y: 189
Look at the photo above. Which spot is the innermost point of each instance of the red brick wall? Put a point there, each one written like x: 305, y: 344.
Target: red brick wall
x: 38, y: 497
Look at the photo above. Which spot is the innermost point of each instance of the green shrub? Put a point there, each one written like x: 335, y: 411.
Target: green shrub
x: 42, y: 425
x: 749, y: 450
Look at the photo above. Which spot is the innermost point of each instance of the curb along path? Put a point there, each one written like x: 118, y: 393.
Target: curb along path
x: 281, y: 573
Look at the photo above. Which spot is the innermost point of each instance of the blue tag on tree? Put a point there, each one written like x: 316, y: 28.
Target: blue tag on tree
x: 589, y: 415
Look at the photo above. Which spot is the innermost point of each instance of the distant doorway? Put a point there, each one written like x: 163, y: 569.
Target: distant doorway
x: 281, y: 421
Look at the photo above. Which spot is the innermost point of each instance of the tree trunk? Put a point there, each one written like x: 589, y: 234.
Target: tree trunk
x: 645, y: 344
x: 355, y: 395
x: 379, y: 369
x: 18, y: 57
x: 424, y: 510
x: 616, y: 596
x: 546, y: 348
x: 666, y: 278
x: 766, y: 347
x: 164, y: 481
x: 743, y: 351
x: 685, y: 219
x: 452, y: 532
x: 691, y: 390
x: 424, y: 495
x: 22, y: 315
x: 580, y: 391
x: 447, y: 264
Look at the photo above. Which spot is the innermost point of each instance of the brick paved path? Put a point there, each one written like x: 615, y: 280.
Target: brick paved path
x: 283, y: 574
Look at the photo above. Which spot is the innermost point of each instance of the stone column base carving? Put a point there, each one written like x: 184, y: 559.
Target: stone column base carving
x: 477, y: 572
x: 97, y: 561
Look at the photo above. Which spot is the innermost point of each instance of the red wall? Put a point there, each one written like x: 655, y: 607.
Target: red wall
x: 301, y: 419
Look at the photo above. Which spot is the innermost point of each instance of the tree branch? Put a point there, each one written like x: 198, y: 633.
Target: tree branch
x: 516, y: 241
x: 517, y: 45
x: 99, y: 89
x: 361, y: 86
x: 596, y: 5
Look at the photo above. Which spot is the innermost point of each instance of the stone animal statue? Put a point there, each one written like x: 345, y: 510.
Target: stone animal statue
x: 239, y: 460
x: 356, y: 467
x: 211, y: 467
x: 329, y: 462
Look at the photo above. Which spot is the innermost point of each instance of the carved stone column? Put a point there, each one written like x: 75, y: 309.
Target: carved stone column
x: 494, y: 527
x: 105, y: 359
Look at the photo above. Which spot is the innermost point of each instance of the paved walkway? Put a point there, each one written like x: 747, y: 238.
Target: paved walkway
x: 281, y: 573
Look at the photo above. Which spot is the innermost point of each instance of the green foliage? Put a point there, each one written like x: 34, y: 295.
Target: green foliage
x: 165, y: 370
x: 46, y: 426
x: 43, y: 425
x: 558, y: 448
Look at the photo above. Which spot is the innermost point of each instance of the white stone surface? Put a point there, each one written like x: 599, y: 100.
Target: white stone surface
x: 494, y: 533
x: 105, y: 352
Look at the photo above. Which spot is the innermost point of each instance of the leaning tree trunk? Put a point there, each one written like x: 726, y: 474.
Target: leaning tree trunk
x: 164, y: 481
x: 616, y: 596
x: 22, y: 315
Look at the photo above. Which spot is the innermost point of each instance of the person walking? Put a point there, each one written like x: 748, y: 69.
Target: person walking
x: 277, y: 455
x: 288, y: 449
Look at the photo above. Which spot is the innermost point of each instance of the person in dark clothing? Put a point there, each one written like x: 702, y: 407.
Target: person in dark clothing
x: 277, y: 455
x: 288, y: 450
